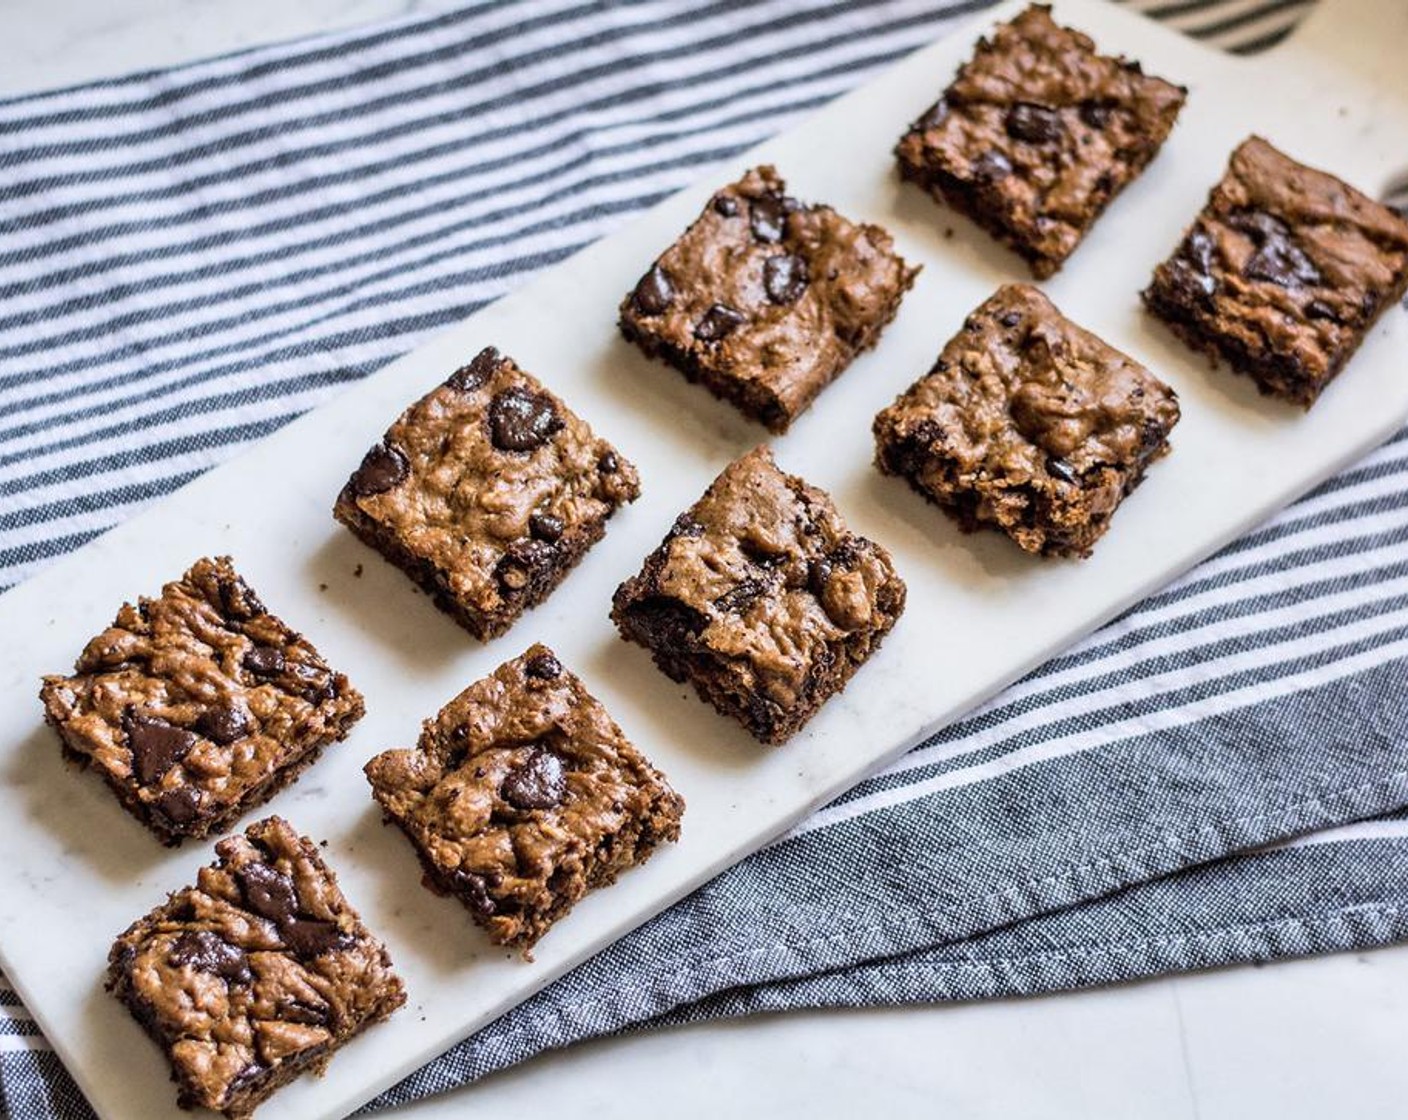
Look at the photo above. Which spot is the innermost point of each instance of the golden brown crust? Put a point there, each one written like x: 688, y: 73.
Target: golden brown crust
x: 522, y: 795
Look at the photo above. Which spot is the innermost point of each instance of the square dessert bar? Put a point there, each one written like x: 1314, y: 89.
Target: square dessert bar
x: 1283, y: 273
x: 1028, y: 424
x: 486, y: 492
x: 522, y: 795
x: 766, y: 301
x: 198, y: 705
x: 1037, y: 134
x: 257, y: 973
x: 762, y: 599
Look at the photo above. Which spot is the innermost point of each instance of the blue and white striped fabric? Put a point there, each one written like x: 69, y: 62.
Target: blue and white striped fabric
x: 190, y: 258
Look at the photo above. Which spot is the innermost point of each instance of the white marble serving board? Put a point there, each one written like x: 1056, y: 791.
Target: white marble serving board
x: 78, y: 870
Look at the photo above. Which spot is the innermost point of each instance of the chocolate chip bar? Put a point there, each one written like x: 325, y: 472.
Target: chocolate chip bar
x: 198, y: 705
x: 486, y: 492
x: 762, y: 598
x: 1028, y: 424
x: 522, y: 795
x: 1283, y: 274
x: 1037, y: 134
x: 765, y: 301
x: 254, y: 975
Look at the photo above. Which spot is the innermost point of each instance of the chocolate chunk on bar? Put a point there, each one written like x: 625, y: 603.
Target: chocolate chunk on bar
x: 1283, y: 273
x: 765, y: 300
x: 486, y: 492
x: 522, y: 795
x: 198, y: 705
x: 1029, y: 425
x: 1037, y: 134
x: 762, y: 599
x: 257, y: 973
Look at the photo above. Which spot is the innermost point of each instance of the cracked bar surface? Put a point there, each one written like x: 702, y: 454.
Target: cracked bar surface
x: 199, y: 704
x: 257, y: 973
x: 1283, y: 274
x: 487, y: 492
x: 522, y: 795
x: 762, y: 598
x: 1037, y: 134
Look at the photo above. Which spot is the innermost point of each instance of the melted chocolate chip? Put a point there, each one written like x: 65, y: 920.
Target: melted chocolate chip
x: 318, y: 684
x: 609, y: 463
x: 538, y: 782
x: 741, y: 596
x: 474, y: 890
x: 991, y: 167
x: 545, y: 527
x: 937, y: 114
x: 238, y: 600
x: 206, y: 951
x: 1034, y: 124
x: 383, y: 467
x: 1278, y: 259
x: 156, y: 747
x: 1151, y: 437
x: 1059, y: 468
x: 522, y: 420
x: 726, y: 205
x: 179, y: 806
x: 654, y: 293
x: 468, y: 378
x: 1319, y: 309
x: 785, y: 278
x: 264, y: 661
x: 718, y: 323
x: 1095, y: 113
x: 309, y: 937
x: 767, y: 216
x: 515, y: 569
x: 268, y: 892
x: 223, y: 725
x: 1011, y: 319
x: 819, y: 574
x: 544, y: 666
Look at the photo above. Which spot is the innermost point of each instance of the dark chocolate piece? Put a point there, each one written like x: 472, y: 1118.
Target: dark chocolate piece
x: 198, y: 705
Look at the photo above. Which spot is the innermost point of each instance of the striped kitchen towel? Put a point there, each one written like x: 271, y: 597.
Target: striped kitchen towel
x: 190, y: 258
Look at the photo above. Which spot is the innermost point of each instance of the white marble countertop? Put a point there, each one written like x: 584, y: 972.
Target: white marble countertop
x: 1312, y: 1038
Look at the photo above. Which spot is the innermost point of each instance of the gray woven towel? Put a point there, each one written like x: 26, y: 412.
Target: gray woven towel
x: 190, y: 258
